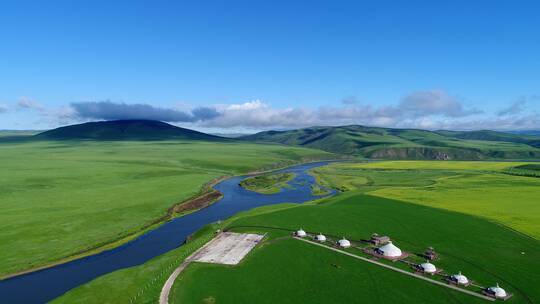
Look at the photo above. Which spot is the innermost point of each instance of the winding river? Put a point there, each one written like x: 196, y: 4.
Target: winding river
x: 47, y: 284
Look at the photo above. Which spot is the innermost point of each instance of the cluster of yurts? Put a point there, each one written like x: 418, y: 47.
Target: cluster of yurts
x: 392, y: 251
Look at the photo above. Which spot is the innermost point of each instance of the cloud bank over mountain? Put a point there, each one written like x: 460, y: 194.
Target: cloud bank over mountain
x: 429, y: 109
x: 107, y: 110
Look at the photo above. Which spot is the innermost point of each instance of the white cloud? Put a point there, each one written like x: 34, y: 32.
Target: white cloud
x: 418, y: 109
x: 432, y: 109
x: 433, y: 102
x: 29, y: 103
x: 519, y: 106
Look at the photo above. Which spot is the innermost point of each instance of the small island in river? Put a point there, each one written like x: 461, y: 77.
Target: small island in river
x: 267, y: 183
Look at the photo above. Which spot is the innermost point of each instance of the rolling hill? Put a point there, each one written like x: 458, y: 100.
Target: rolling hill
x: 386, y: 143
x: 125, y: 130
x: 526, y: 132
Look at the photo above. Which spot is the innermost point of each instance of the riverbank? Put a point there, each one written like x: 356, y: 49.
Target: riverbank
x: 204, y: 198
x: 117, y: 275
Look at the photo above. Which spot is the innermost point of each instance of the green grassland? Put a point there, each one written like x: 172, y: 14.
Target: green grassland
x: 267, y: 183
x: 347, y: 177
x: 140, y: 284
x: 476, y: 188
x: 63, y: 198
x: 431, y: 165
x: 283, y: 270
x: 510, y: 200
x: 307, y: 274
x: 143, y: 283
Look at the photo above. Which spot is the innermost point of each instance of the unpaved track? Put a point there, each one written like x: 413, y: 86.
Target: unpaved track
x: 166, y: 290
x: 164, y: 296
x: 226, y: 248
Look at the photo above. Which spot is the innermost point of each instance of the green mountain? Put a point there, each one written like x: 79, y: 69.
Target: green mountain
x: 386, y: 143
x: 124, y: 130
x: 526, y: 132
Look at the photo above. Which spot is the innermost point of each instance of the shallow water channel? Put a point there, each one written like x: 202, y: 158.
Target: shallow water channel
x: 47, y: 284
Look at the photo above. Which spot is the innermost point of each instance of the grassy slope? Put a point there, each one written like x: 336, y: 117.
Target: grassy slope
x: 267, y: 183
x: 510, y: 200
x: 306, y: 274
x: 147, y: 279
x: 407, y: 143
x: 413, y: 226
x: 467, y: 187
x: 60, y: 198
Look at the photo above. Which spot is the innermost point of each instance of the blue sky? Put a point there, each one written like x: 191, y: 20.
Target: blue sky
x: 253, y: 65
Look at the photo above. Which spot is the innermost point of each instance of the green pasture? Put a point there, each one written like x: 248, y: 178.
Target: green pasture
x: 347, y: 177
x: 60, y: 199
x: 440, y: 165
x: 143, y: 283
x: 483, y: 249
x: 477, y: 188
x: 288, y: 271
x: 513, y: 201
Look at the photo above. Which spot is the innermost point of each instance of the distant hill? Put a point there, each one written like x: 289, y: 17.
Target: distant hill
x: 487, y: 135
x: 526, y: 132
x: 8, y: 133
x: 124, y: 130
x: 386, y: 143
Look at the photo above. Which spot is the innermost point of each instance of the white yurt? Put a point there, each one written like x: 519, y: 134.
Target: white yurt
x: 497, y: 291
x: 390, y: 250
x: 460, y: 279
x: 301, y: 233
x: 427, y: 267
x: 344, y: 243
x: 320, y: 238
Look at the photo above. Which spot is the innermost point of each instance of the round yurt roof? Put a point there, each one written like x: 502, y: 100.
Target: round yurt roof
x: 428, y: 267
x: 344, y: 242
x: 390, y: 250
x: 461, y: 279
x: 301, y: 232
x: 498, y: 291
x: 320, y: 237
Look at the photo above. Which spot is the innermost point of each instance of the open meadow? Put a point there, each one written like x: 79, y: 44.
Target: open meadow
x: 476, y: 188
x: 483, y: 248
x: 64, y: 199
x: 303, y: 273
